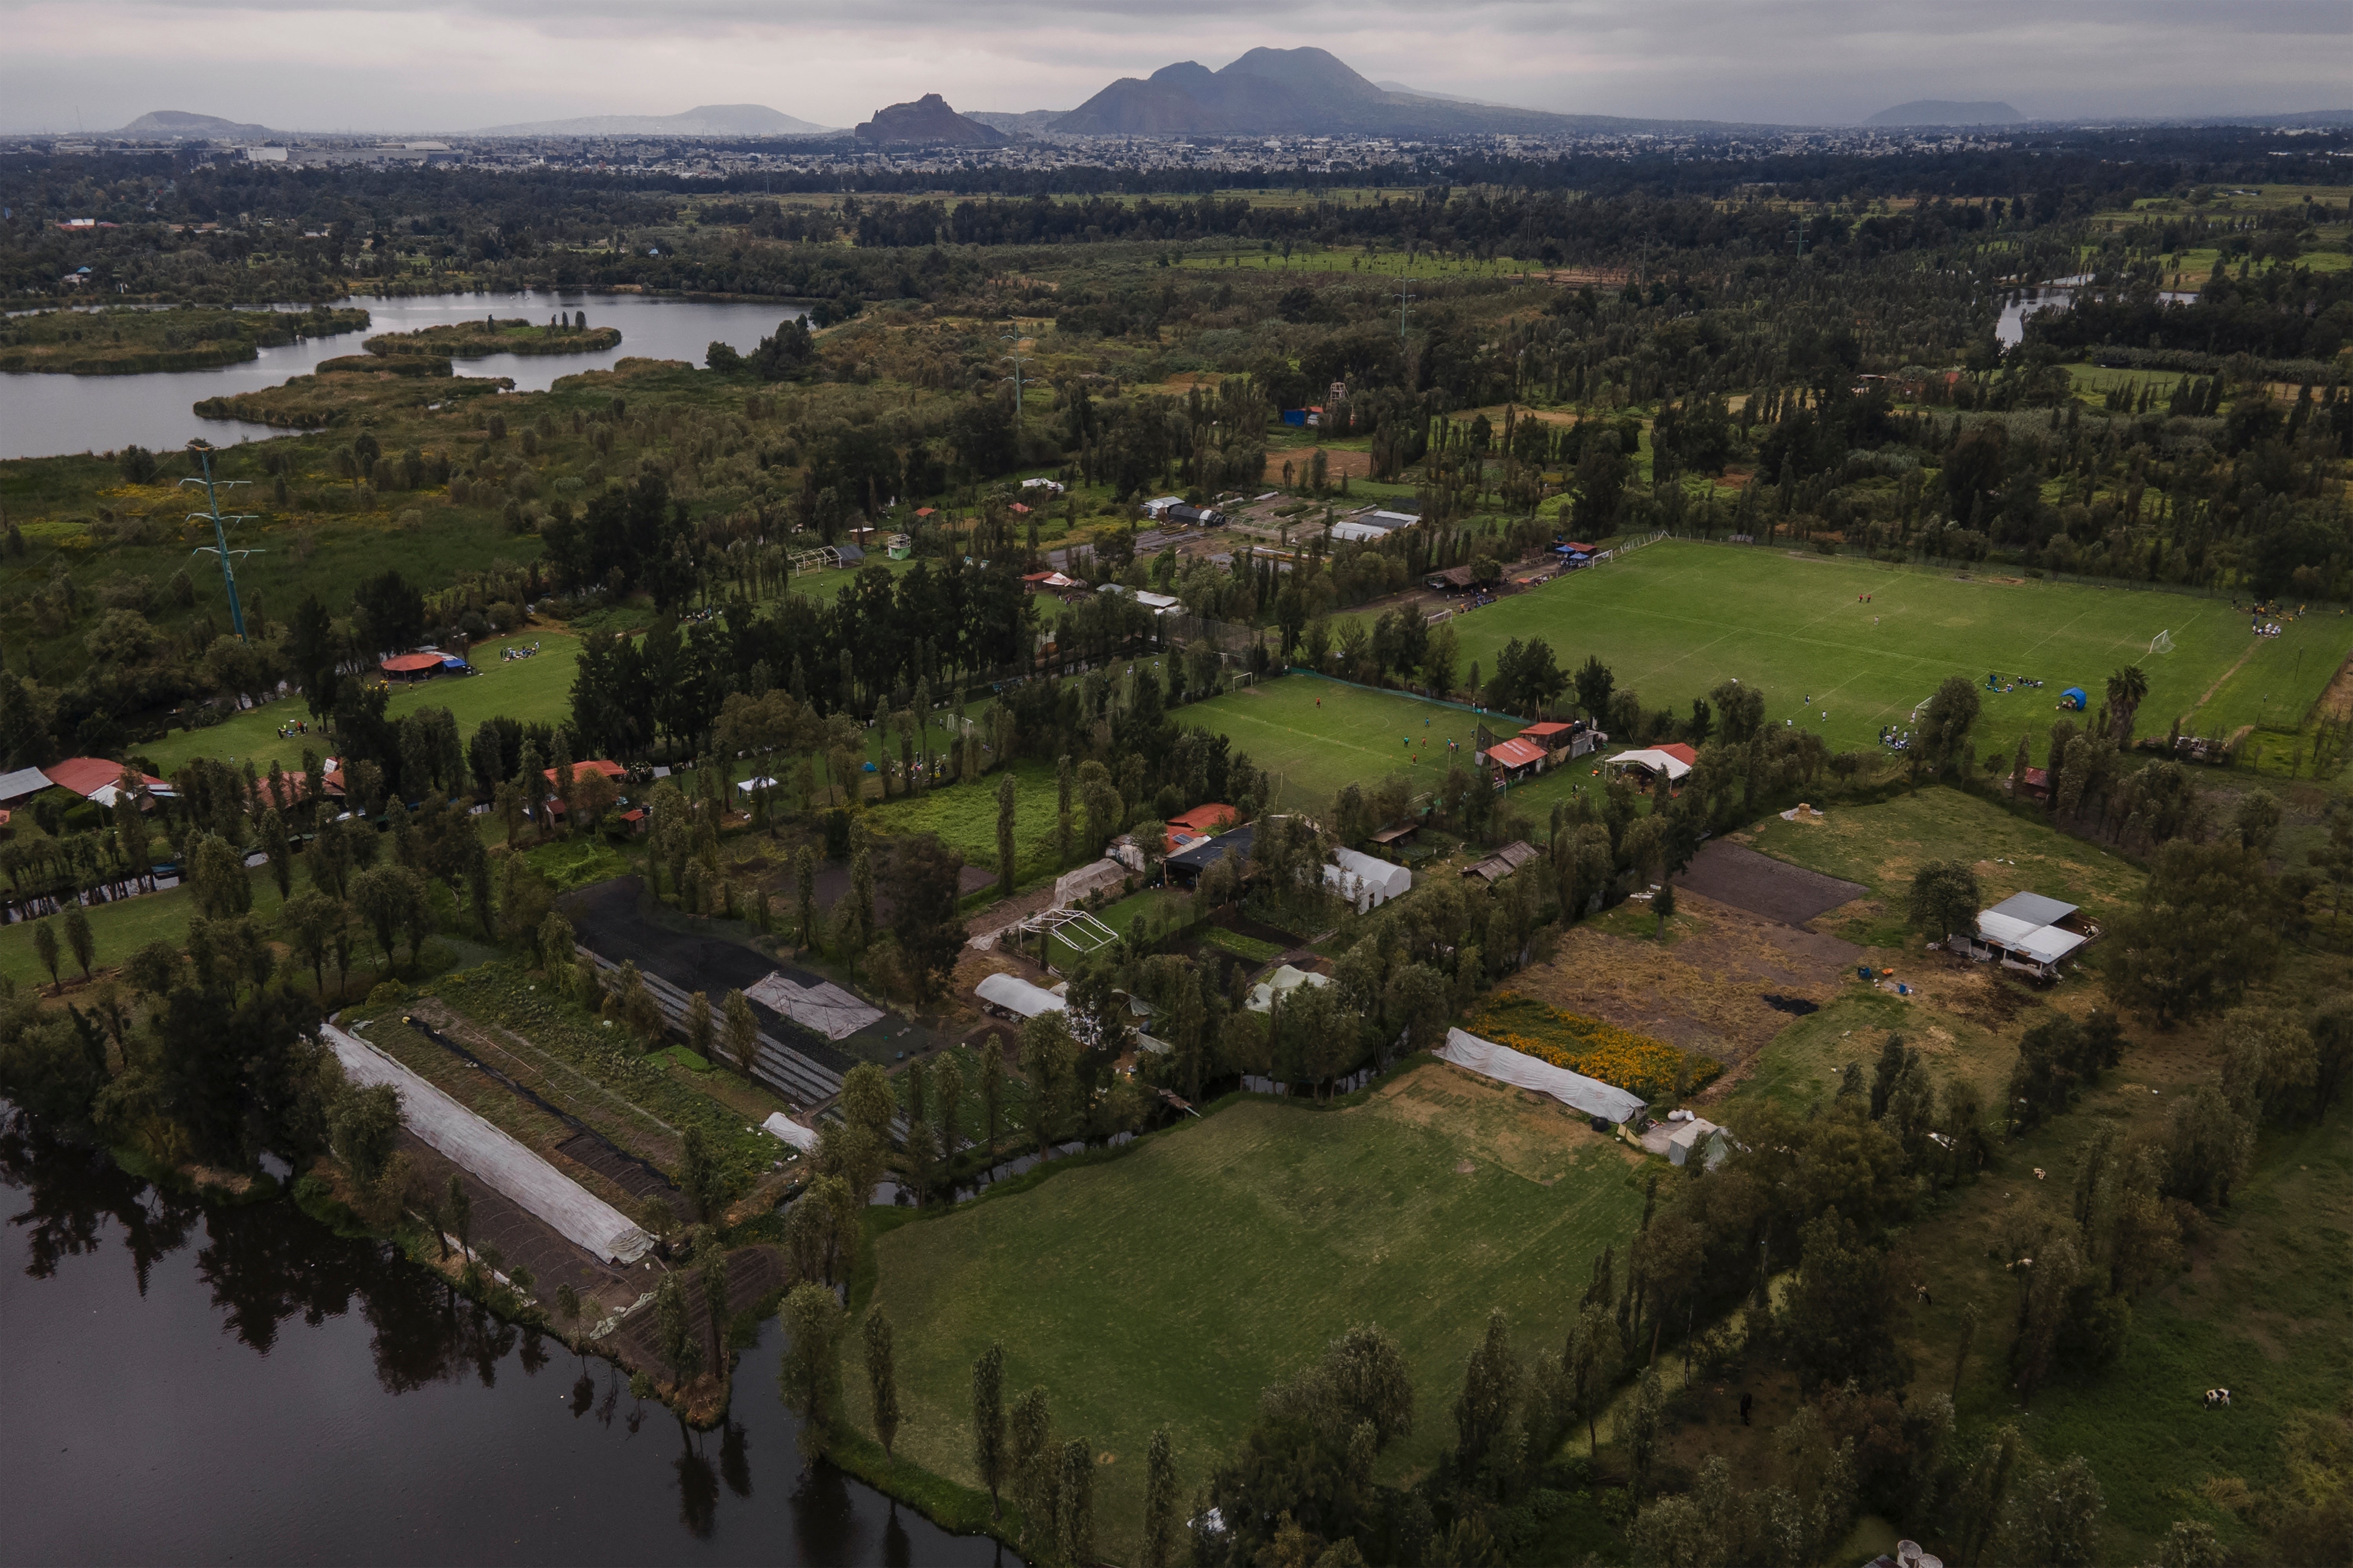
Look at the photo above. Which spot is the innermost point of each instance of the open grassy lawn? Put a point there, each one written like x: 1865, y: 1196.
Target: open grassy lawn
x: 1320, y: 735
x: 965, y: 817
x: 119, y: 929
x: 1169, y: 1287
x: 1676, y: 618
x: 538, y: 688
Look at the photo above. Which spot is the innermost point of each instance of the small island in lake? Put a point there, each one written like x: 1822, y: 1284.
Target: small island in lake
x: 125, y: 341
x: 493, y: 335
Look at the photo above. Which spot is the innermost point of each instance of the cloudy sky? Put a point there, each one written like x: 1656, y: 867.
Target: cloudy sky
x: 378, y: 65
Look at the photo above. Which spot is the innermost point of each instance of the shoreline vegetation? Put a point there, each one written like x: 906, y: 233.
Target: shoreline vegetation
x: 123, y: 341
x: 496, y: 335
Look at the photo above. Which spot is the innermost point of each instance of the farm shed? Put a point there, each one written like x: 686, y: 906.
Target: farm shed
x: 1563, y: 741
x: 1365, y: 882
x: 2028, y: 932
x: 1502, y: 862
x: 1010, y: 996
x: 1587, y: 1096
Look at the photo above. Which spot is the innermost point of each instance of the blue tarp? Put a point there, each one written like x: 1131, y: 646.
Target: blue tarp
x: 2074, y: 694
x: 454, y: 662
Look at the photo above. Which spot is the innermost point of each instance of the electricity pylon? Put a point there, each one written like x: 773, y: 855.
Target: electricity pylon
x: 212, y: 513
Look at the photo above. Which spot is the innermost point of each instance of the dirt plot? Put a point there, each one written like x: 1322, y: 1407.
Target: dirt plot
x: 1337, y: 462
x: 521, y: 1237
x: 1531, y: 1136
x: 752, y: 1273
x: 1742, y: 877
x: 1707, y: 991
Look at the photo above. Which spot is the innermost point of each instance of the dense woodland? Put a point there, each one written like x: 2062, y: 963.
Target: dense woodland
x: 1697, y: 376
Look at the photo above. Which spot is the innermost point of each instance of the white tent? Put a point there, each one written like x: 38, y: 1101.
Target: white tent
x: 1366, y: 881
x: 1588, y: 1096
x: 1011, y: 993
x: 1282, y: 982
x: 1652, y: 761
x: 779, y: 1125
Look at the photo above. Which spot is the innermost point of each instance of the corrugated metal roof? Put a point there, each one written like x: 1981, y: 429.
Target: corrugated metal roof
x: 2033, y: 909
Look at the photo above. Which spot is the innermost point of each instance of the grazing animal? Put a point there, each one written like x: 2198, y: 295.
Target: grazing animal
x: 2217, y: 1396
x: 1921, y: 1291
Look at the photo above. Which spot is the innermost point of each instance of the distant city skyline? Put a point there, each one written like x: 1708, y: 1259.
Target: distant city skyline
x: 365, y: 66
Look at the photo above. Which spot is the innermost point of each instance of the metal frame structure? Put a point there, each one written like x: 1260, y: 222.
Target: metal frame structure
x: 212, y: 513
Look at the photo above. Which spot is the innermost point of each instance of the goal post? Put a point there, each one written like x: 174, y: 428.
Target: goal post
x: 2161, y: 643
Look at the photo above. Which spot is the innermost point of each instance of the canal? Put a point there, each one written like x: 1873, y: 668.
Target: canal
x: 195, y: 1384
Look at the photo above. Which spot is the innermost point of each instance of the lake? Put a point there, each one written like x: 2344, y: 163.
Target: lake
x: 188, y: 1384
x: 43, y: 416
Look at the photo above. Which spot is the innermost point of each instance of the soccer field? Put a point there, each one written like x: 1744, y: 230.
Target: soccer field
x: 1320, y: 736
x: 1676, y: 618
x: 1169, y: 1287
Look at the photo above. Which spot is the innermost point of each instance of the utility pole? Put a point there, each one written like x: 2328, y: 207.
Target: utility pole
x: 1013, y: 336
x: 1402, y: 298
x: 212, y: 513
x: 1797, y: 228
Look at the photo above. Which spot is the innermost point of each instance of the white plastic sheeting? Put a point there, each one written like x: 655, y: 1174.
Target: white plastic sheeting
x: 779, y: 1125
x: 484, y: 1150
x: 1365, y: 880
x: 1587, y: 1096
x: 824, y: 1007
x: 1016, y: 995
x: 1282, y: 982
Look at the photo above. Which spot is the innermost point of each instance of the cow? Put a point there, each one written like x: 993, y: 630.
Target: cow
x: 2218, y: 1397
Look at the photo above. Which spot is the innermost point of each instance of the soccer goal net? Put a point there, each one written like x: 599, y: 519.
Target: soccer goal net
x: 2161, y: 643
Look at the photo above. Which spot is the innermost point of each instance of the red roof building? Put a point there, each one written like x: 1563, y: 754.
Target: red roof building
x: 1681, y: 753
x: 86, y: 776
x: 1515, y: 754
x: 1203, y: 822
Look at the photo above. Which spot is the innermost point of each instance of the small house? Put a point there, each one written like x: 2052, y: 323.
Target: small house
x: 1198, y: 825
x: 1157, y: 507
x: 1563, y: 743
x: 1453, y: 580
x: 1516, y: 759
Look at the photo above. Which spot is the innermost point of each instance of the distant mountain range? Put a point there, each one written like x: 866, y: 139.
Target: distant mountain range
x: 179, y: 125
x: 928, y: 121
x: 1304, y: 91
x: 708, y: 119
x: 1440, y: 96
x: 1941, y: 112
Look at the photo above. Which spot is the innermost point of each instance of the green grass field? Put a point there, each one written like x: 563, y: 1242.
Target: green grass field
x: 1321, y: 735
x: 536, y: 690
x: 1676, y: 618
x: 119, y: 929
x: 1169, y: 1287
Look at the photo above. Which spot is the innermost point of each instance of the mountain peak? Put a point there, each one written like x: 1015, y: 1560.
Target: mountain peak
x: 178, y: 124
x: 928, y: 121
x: 1945, y: 111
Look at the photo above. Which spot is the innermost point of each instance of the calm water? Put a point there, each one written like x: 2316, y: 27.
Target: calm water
x: 195, y: 1385
x: 42, y: 416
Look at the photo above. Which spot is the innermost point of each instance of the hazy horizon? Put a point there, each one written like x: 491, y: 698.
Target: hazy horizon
x: 363, y: 67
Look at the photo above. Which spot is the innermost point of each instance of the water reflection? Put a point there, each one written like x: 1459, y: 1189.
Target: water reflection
x: 242, y: 1383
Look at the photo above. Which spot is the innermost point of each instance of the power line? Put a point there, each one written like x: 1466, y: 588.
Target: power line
x: 212, y: 513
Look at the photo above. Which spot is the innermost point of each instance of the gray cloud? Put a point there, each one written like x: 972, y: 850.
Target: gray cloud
x: 372, y: 65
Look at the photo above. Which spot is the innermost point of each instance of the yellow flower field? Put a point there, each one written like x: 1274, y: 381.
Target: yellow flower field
x: 1651, y: 1069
